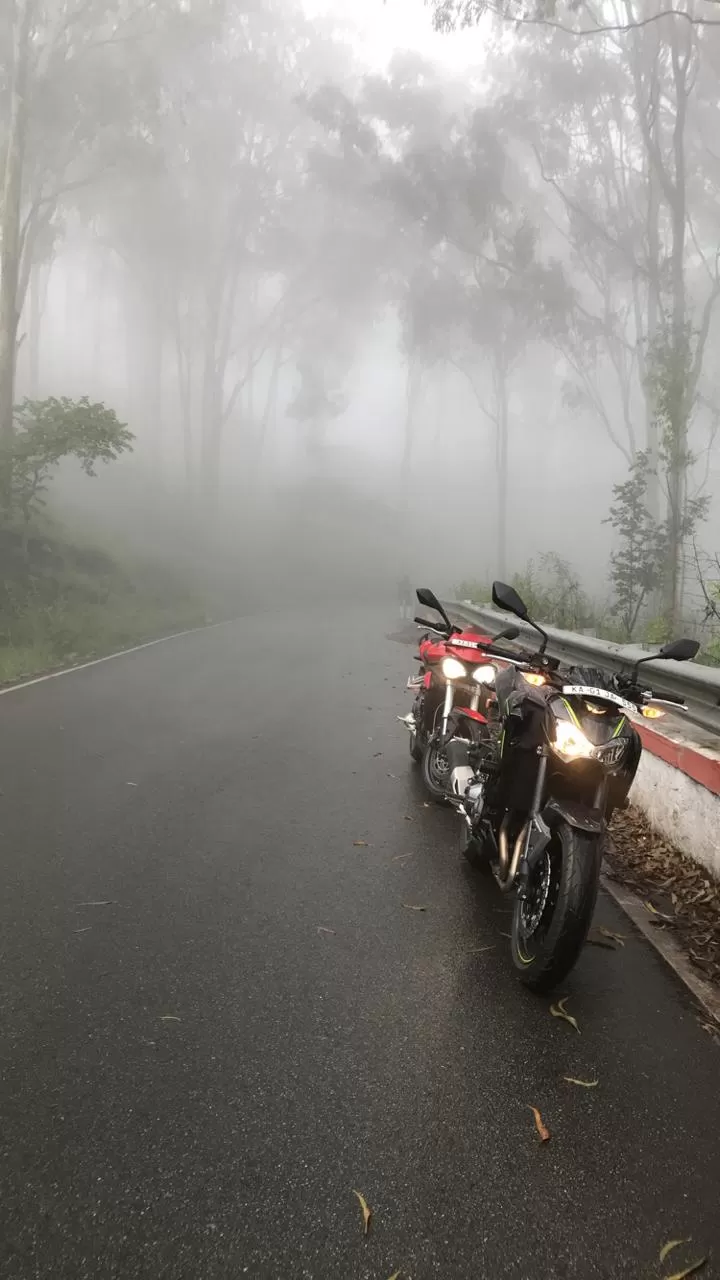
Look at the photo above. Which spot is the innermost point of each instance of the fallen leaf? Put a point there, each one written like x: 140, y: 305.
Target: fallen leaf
x: 614, y: 937
x: 366, y: 1212
x: 392, y: 775
x: 688, y: 1271
x: 600, y: 942
x: 321, y: 929
x: 109, y: 903
x: 542, y: 1131
x: 360, y: 844
x: 169, y: 1017
x: 409, y: 906
x: 427, y: 804
x: 654, y: 911
x: 558, y: 1011
x: 376, y: 754
x: 584, y: 1084
x: 402, y: 857
x: 131, y: 784
x: 86, y: 929
x: 408, y: 818
x: 395, y: 1275
x: 671, y: 1244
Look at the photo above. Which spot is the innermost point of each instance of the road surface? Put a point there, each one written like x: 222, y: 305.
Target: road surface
x: 198, y: 1073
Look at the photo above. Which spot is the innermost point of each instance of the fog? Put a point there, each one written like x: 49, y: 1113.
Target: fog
x: 372, y: 298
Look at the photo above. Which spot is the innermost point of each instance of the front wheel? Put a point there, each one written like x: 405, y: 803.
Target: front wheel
x: 416, y: 751
x: 435, y: 770
x: 551, y: 923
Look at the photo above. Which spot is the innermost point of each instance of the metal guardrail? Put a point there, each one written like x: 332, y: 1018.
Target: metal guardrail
x: 698, y: 685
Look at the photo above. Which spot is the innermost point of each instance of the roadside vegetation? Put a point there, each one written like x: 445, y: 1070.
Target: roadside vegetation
x: 62, y: 598
x: 625, y: 611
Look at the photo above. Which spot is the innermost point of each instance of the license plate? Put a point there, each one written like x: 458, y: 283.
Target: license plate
x: 602, y: 695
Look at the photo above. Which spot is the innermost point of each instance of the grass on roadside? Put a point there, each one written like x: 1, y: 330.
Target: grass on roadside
x: 62, y: 603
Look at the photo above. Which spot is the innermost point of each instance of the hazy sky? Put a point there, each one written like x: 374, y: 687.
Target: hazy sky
x: 386, y: 25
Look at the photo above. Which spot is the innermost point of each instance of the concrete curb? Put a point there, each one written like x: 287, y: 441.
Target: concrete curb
x: 707, y: 995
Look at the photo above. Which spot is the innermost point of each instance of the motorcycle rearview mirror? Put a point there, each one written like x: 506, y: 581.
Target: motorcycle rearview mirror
x: 507, y: 633
x: 680, y: 650
x: 677, y: 650
x: 507, y: 598
x: 430, y: 600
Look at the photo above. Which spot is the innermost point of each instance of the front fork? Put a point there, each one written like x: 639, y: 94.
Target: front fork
x: 447, y: 706
x: 449, y: 702
x: 535, y: 835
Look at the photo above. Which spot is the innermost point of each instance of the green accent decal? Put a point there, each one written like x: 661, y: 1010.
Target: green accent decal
x: 572, y: 715
x: 620, y: 727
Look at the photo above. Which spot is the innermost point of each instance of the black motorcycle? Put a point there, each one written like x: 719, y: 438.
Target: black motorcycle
x: 539, y: 787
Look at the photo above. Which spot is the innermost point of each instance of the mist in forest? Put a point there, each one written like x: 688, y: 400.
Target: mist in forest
x: 372, y: 298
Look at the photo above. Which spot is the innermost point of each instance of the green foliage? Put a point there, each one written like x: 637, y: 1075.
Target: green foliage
x: 656, y: 631
x: 671, y: 385
x: 552, y: 592
x: 474, y: 590
x: 46, y: 432
x: 636, y: 566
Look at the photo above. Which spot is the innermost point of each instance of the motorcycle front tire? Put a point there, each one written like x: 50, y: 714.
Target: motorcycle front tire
x: 548, y: 955
x: 416, y: 751
x: 433, y: 778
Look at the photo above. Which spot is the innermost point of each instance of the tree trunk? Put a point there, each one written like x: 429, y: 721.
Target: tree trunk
x: 10, y: 213
x: 503, y: 421
x: 678, y: 371
x: 211, y: 420
x: 184, y: 362
x: 412, y: 393
x: 269, y: 414
x: 652, y: 443
x: 34, y: 323
x: 153, y: 407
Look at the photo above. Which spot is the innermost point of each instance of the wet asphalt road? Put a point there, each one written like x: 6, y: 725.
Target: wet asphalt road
x: 195, y: 1077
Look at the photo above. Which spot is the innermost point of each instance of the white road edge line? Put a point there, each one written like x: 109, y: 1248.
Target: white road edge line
x: 109, y: 657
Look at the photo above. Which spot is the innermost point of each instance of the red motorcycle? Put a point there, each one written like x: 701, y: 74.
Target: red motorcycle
x: 452, y: 691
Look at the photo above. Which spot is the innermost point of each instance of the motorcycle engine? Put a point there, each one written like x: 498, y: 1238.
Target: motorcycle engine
x: 461, y: 772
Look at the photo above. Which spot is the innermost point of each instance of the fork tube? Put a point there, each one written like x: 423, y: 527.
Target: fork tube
x: 447, y: 705
x: 539, y: 784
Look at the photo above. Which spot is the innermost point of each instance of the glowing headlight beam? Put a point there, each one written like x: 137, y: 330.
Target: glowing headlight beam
x: 452, y: 669
x: 570, y: 742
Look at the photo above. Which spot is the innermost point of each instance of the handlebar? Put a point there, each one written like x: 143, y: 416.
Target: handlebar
x: 628, y: 686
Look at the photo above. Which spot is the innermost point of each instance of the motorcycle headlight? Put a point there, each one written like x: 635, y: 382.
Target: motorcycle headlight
x: 452, y: 669
x: 570, y: 742
x: 484, y: 675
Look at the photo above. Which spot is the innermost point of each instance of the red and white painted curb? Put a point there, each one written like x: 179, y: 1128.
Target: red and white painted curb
x: 678, y: 788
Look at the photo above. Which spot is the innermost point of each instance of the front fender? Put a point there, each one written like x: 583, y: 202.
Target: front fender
x: 465, y: 723
x: 580, y: 816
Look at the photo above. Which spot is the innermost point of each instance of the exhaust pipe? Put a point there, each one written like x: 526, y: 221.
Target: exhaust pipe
x: 508, y: 869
